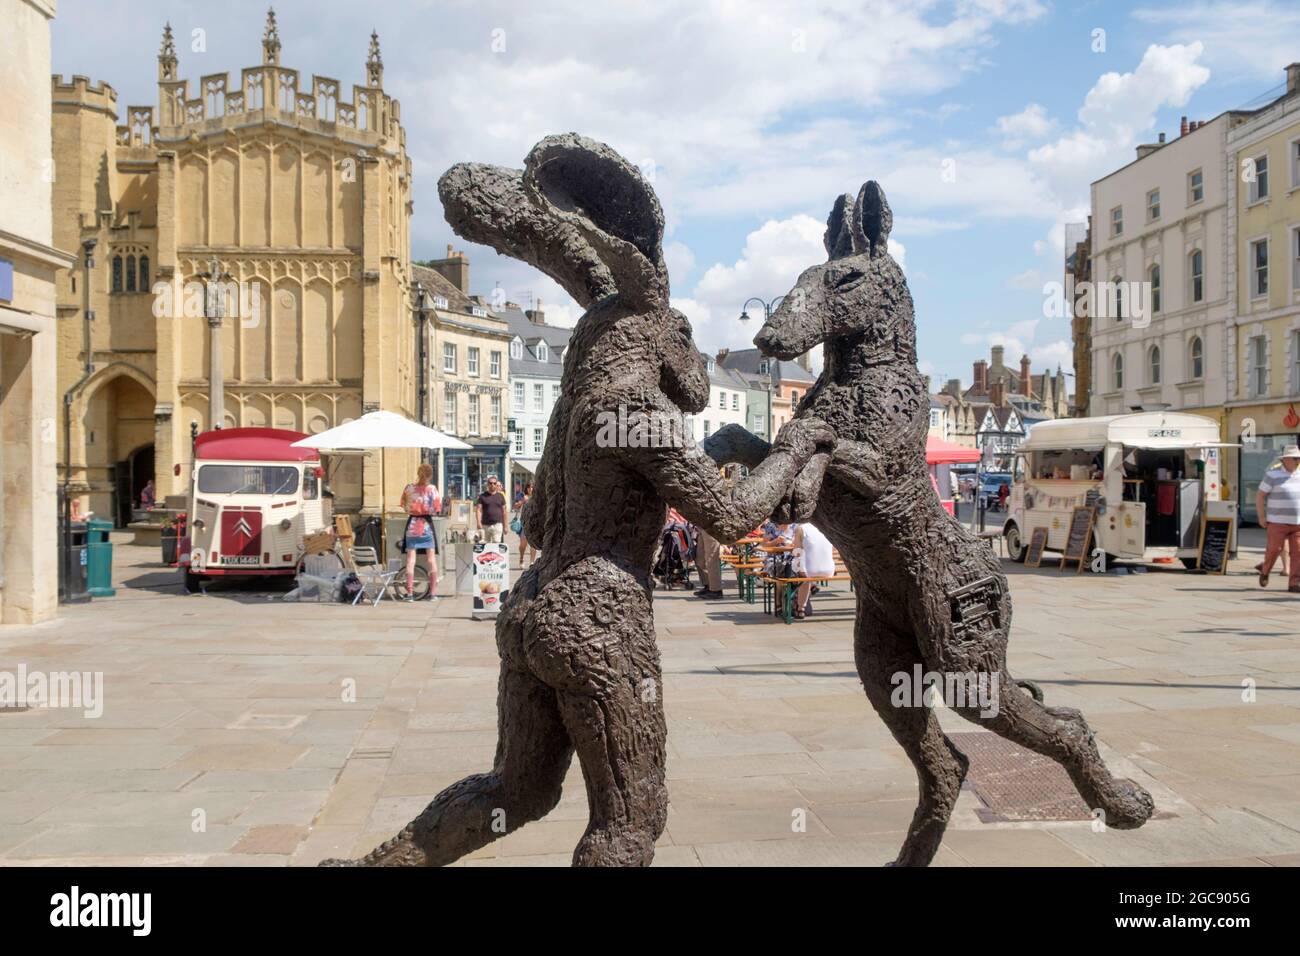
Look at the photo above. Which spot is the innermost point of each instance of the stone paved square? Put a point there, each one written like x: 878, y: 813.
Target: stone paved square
x: 229, y: 736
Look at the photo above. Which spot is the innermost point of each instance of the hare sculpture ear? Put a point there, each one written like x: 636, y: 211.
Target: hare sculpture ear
x: 838, y: 238
x: 488, y: 205
x: 602, y: 195
x: 872, y: 220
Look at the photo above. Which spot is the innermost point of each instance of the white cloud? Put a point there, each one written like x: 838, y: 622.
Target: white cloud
x: 1251, y: 39
x: 1029, y: 125
x: 1116, y: 114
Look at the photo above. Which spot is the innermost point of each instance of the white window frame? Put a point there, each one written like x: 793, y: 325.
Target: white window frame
x: 555, y: 393
x: 1153, y: 365
x: 1256, y: 193
x: 520, y: 396
x: 1193, y: 358
x: 1192, y: 275
x: 735, y: 401
x: 1116, y: 222
x: 1293, y: 236
x: 543, y: 352
x: 1257, y: 368
x: 1295, y: 361
x: 539, y: 397
x: 1192, y: 198
x: 449, y: 357
x: 516, y: 349
x: 471, y: 361
x: 539, y: 440
x: 722, y: 399
x: 449, y: 410
x: 495, y: 405
x: 1254, y: 270
x: 494, y: 363
x: 1153, y: 205
x: 1293, y: 160
x: 517, y: 443
x: 1117, y: 371
x: 1154, y: 283
x: 473, y: 414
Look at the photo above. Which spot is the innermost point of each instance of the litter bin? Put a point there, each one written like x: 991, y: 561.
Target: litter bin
x: 72, y: 564
x: 170, y: 539
x: 99, y: 558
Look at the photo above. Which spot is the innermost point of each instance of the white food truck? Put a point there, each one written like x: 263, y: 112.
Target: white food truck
x: 1152, y: 478
x: 252, y: 498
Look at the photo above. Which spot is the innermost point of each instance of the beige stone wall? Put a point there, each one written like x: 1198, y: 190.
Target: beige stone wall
x: 28, y: 342
x: 303, y: 196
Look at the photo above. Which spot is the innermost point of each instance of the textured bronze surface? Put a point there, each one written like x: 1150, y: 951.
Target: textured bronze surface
x: 579, y: 664
x: 929, y: 593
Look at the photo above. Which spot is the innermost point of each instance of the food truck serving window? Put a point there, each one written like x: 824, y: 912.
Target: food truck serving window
x: 248, y: 479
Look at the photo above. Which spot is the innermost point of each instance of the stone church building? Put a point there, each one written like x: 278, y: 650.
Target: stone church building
x: 300, y: 197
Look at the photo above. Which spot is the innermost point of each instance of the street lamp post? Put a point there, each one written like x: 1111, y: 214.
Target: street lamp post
x: 768, y: 309
x: 214, y: 311
x: 422, y: 304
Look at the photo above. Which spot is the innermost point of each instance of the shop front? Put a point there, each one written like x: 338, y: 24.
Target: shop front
x: 464, y: 473
x: 1263, y: 431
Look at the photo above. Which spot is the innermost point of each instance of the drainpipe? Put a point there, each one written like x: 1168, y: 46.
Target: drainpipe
x: 88, y: 246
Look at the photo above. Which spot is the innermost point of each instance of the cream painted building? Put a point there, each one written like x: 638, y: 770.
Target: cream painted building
x: 1160, y: 242
x: 467, y: 348
x: 29, y: 262
x: 1263, y: 151
x: 302, y: 194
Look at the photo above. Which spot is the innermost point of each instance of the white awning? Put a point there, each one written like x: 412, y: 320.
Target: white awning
x: 526, y: 464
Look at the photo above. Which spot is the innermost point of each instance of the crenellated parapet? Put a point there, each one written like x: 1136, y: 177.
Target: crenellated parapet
x: 270, y: 93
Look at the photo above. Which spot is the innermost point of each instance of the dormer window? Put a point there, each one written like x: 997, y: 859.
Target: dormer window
x: 712, y: 366
x: 543, y: 353
x: 478, y: 310
x: 440, y: 302
x: 517, y: 349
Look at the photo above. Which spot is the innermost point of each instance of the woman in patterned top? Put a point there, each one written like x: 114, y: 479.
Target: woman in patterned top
x: 419, y: 501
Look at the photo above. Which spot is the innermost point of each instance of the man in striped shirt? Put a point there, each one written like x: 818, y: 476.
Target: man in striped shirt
x: 1278, y: 507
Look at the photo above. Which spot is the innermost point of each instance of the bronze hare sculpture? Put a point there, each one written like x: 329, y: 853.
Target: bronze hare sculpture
x: 579, y: 665
x: 928, y: 592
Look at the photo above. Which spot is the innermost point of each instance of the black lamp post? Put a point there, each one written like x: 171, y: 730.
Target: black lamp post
x: 423, y: 302
x: 768, y: 309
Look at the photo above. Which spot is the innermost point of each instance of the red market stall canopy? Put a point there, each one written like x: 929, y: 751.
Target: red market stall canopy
x: 940, y: 452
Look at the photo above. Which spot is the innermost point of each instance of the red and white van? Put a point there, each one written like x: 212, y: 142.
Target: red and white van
x: 252, y: 498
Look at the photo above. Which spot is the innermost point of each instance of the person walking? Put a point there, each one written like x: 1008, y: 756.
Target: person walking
x: 421, y: 500
x: 1278, y: 505
x: 524, y: 546
x: 708, y: 561
x: 491, y: 511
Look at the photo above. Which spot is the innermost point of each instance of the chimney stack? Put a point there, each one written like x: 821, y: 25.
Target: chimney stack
x: 997, y: 395
x: 953, y: 387
x: 998, y: 351
x: 1293, y: 78
x: 454, y: 268
x: 1162, y: 139
x: 1182, y: 127
x: 981, y: 383
x: 1025, y: 383
x: 722, y: 355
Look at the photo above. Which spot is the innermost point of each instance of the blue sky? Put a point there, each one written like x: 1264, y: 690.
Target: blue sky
x: 984, y: 120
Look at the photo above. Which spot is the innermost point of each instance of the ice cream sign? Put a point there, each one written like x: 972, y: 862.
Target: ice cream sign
x: 491, y: 578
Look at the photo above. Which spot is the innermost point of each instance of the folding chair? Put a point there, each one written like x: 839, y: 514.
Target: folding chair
x: 376, y: 580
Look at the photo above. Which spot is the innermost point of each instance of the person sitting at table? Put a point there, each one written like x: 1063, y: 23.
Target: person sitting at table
x: 813, y: 558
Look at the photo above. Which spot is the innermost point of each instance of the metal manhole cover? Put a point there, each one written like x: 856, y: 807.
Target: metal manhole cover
x: 1017, y: 785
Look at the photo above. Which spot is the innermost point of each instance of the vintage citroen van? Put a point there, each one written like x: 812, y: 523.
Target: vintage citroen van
x: 252, y: 498
x: 1152, y: 478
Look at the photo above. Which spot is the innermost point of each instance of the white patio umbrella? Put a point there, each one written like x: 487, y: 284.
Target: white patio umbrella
x: 380, y: 430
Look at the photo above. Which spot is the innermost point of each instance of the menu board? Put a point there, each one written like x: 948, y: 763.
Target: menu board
x: 491, y: 579
x: 1216, y: 535
x: 1076, y: 543
x: 1037, y: 542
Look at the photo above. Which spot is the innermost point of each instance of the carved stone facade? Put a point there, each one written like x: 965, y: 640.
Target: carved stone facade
x: 301, y: 197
